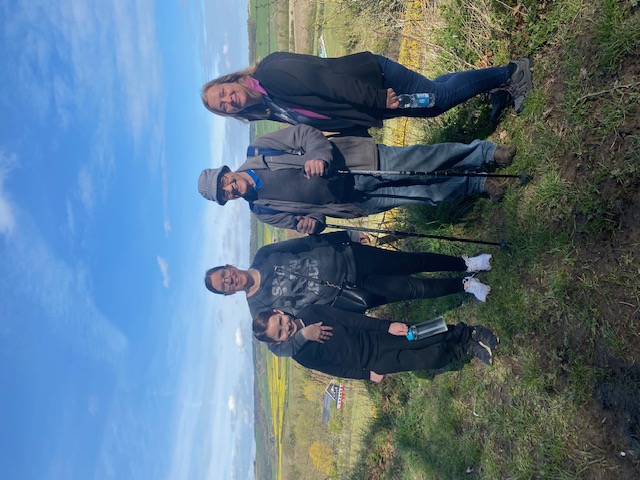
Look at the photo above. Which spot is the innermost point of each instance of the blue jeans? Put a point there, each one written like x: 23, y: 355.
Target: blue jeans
x: 449, y: 90
x: 375, y: 194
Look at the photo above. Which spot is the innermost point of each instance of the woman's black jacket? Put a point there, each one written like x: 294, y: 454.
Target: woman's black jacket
x: 348, y: 89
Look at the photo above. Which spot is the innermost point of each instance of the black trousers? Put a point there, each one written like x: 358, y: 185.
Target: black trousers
x: 387, y: 273
x: 397, y: 354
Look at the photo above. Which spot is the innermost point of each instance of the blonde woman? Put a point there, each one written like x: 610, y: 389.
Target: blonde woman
x: 354, y: 91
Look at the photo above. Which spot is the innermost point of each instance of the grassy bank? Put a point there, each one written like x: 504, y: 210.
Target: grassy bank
x: 561, y: 400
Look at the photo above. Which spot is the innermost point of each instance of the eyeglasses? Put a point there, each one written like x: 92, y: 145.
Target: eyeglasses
x: 226, y: 280
x: 224, y: 183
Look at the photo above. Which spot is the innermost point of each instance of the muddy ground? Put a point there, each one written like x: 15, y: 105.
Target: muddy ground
x: 609, y: 257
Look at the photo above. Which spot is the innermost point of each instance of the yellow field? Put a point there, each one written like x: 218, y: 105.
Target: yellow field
x: 277, y: 378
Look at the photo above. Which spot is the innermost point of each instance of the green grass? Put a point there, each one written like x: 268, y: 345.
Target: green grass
x: 525, y: 416
x: 617, y: 35
x: 563, y: 291
x: 271, y: 27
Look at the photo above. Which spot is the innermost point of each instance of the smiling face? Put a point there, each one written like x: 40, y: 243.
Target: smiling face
x: 281, y: 327
x: 228, y: 97
x: 230, y: 280
x: 234, y: 185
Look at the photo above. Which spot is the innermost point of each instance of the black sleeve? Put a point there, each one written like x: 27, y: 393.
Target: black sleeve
x: 303, y: 244
x: 306, y: 358
x: 297, y: 77
x: 319, y: 313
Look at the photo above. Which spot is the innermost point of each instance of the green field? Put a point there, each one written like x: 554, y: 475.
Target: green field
x: 562, y: 398
x: 270, y: 35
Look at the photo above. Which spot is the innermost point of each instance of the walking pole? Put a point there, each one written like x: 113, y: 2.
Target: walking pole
x: 522, y: 176
x: 501, y: 243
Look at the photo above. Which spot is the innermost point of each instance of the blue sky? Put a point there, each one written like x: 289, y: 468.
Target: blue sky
x: 115, y: 362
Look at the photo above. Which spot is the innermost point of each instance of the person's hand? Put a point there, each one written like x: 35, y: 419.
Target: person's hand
x: 398, y: 328
x: 314, y: 168
x: 306, y: 224
x: 365, y: 239
x: 392, y: 99
x: 316, y: 332
x: 375, y: 377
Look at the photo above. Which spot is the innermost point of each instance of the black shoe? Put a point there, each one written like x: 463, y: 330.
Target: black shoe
x: 480, y: 351
x: 484, y: 336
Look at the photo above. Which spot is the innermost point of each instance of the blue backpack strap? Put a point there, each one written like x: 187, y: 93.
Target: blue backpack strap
x: 269, y: 152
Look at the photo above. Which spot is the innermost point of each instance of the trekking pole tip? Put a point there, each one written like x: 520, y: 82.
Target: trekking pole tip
x: 524, y: 178
x: 503, y: 244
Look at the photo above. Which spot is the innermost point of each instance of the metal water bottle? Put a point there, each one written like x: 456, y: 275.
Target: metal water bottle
x: 427, y: 329
x: 416, y: 100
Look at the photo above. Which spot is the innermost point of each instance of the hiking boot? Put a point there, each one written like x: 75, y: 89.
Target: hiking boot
x: 480, y: 263
x: 520, y: 83
x: 495, y: 187
x: 503, y: 155
x: 484, y: 336
x: 480, y: 351
x: 477, y: 288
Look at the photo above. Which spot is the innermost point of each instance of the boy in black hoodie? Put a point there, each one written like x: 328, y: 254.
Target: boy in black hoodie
x: 364, y: 347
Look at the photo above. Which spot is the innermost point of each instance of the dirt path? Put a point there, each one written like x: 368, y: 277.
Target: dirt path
x: 607, y: 237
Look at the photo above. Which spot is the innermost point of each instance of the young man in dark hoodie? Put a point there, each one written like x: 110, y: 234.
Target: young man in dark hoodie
x: 368, y: 348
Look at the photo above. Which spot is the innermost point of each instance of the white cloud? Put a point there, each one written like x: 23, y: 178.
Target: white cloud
x: 59, y: 294
x: 63, y: 100
x: 226, y: 59
x: 164, y: 269
x: 207, y: 371
x: 239, y: 339
x: 165, y: 192
x: 7, y: 209
x: 94, y: 176
x: 234, y: 468
x: 135, y: 48
x: 216, y: 142
x: 112, y: 73
x: 231, y: 404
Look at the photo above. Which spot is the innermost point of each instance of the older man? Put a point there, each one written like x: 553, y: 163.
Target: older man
x: 289, y: 177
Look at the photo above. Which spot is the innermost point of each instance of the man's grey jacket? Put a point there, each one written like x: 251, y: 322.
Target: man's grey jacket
x: 305, y: 143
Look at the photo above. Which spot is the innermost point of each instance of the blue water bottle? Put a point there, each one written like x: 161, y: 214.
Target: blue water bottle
x: 427, y: 329
x: 416, y: 100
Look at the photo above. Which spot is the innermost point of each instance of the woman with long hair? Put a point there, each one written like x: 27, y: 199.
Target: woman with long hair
x: 354, y: 91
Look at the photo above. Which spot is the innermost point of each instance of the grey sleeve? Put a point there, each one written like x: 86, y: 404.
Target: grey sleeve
x: 288, y: 220
x: 288, y: 348
x: 299, y: 138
